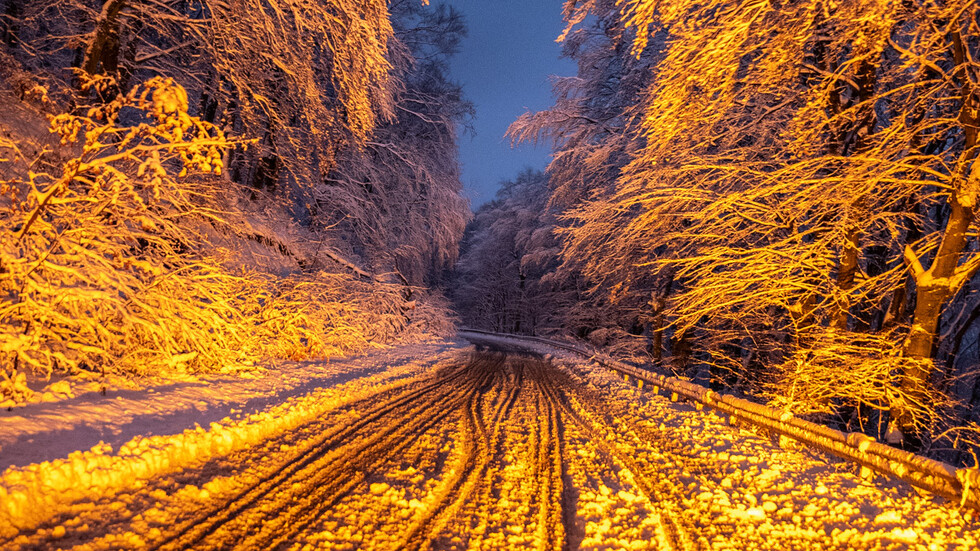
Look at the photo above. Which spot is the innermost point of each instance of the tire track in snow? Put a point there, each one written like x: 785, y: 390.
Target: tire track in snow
x: 477, y: 458
x: 518, y: 500
x: 435, y: 396
x: 559, y: 388
x: 472, y: 516
x: 550, y: 533
x: 506, y: 420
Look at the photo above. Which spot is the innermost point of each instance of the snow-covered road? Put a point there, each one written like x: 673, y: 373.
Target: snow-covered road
x: 487, y: 448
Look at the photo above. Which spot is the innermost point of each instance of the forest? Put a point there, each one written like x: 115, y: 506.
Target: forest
x: 775, y: 198
x: 194, y: 186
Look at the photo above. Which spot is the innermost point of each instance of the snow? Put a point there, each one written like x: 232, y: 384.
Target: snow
x: 571, y: 453
x: 58, y: 452
x: 82, y: 416
x: 749, y: 493
x: 742, y: 490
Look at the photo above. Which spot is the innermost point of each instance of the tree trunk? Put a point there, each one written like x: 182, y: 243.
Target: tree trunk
x: 942, y: 280
x: 102, y: 55
x: 845, y: 275
x: 657, y: 338
x: 934, y: 287
x: 897, y: 310
x: 658, y: 303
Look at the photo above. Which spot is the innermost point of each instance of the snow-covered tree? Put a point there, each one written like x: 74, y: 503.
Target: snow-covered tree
x: 305, y: 76
x: 407, y: 213
x: 812, y: 167
x: 594, y: 128
x: 507, y: 249
x: 796, y: 195
x: 182, y: 222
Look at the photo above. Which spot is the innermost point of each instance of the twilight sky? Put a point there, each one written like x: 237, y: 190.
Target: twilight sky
x: 503, y: 65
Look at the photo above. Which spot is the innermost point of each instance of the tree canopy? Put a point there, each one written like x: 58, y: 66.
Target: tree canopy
x: 779, y: 195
